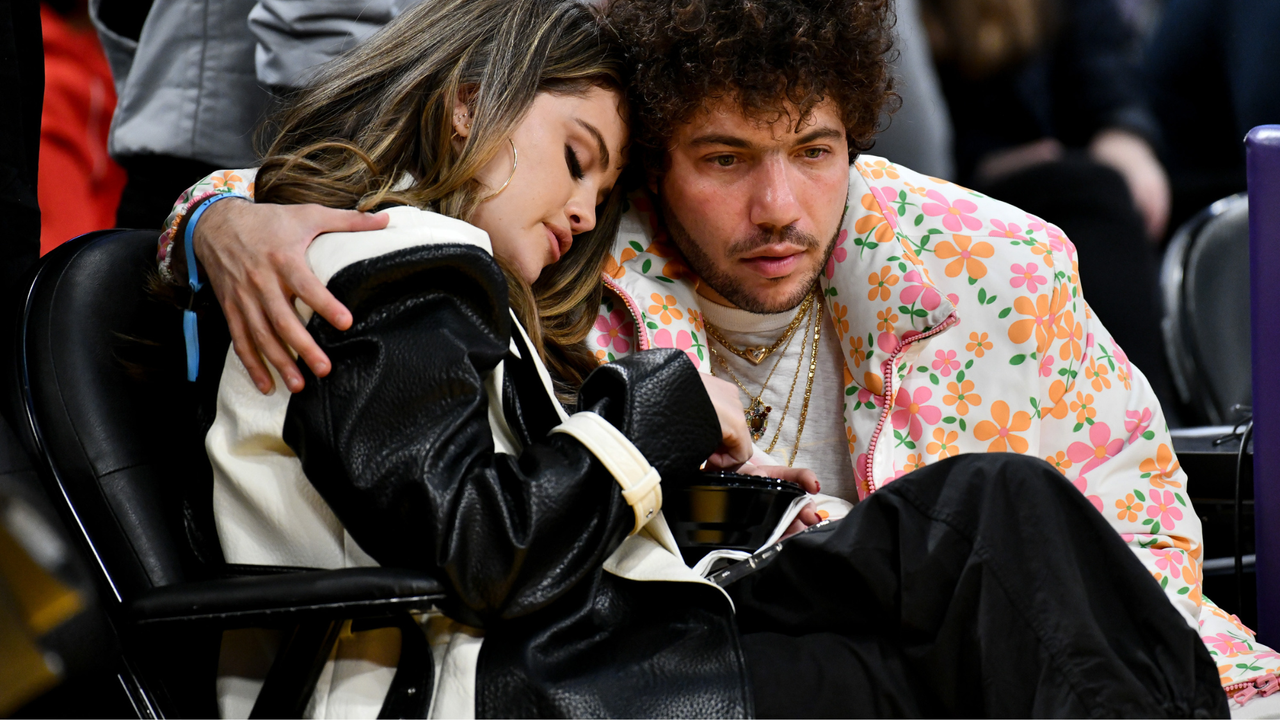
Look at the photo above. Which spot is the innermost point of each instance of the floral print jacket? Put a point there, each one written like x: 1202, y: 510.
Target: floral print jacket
x: 965, y: 330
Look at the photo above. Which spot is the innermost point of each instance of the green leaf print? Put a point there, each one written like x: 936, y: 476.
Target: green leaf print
x: 1005, y: 313
x: 919, y: 219
x: 1017, y: 359
x: 991, y: 300
x: 922, y: 369
x: 1184, y: 590
x: 1138, y: 494
x: 949, y: 420
x: 963, y: 428
x: 1148, y: 435
x: 933, y: 378
x: 982, y: 295
x: 968, y: 365
x: 974, y: 281
x: 1076, y: 429
x: 831, y: 292
x: 651, y: 325
x: 1164, y: 581
x: 665, y: 279
x: 635, y: 246
x: 851, y: 390
x: 645, y: 267
x: 1181, y: 502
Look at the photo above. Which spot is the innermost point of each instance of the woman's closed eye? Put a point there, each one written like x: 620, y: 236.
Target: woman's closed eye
x: 575, y: 167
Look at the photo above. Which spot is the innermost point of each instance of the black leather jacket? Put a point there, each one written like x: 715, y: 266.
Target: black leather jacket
x: 397, y: 440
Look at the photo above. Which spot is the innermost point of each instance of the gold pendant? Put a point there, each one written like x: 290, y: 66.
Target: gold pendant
x: 757, y: 355
x: 757, y: 415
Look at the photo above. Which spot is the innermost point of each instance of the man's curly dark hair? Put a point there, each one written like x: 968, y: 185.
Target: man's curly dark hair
x: 768, y: 55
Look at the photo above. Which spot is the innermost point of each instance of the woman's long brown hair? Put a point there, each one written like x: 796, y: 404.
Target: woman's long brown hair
x: 376, y: 127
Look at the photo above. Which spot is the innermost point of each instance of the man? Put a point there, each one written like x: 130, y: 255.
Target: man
x: 943, y: 323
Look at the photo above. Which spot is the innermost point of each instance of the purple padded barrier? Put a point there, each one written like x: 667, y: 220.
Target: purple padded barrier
x: 1263, y: 148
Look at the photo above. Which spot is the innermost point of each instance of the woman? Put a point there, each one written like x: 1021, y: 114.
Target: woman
x: 507, y: 115
x: 436, y: 442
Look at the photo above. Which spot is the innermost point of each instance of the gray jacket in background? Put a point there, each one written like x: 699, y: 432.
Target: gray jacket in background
x: 197, y: 79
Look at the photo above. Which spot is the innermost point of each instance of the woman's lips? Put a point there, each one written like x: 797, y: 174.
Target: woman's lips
x: 555, y: 244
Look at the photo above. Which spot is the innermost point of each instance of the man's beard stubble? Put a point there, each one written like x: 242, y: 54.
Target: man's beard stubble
x: 723, y: 283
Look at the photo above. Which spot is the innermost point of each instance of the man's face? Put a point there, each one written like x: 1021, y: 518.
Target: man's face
x: 755, y: 206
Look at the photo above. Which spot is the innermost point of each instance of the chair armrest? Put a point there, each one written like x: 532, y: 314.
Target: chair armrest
x: 349, y: 593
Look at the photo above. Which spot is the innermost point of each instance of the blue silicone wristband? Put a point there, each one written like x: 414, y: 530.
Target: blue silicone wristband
x: 189, y: 330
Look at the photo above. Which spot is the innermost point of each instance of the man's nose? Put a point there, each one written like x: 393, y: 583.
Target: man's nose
x: 774, y: 203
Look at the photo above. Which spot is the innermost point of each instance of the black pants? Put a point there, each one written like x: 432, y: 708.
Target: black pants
x: 983, y: 585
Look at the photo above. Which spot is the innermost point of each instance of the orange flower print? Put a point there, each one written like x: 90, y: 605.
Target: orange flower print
x: 1060, y: 461
x: 1191, y: 575
x: 978, y: 344
x: 962, y: 396
x: 944, y: 444
x: 1074, y: 333
x: 1129, y: 508
x: 914, y: 462
x: 874, y: 220
x: 1043, y: 251
x: 614, y: 268
x: 881, y: 169
x: 695, y: 319
x: 601, y: 356
x: 853, y: 439
x: 885, y: 320
x: 1123, y: 376
x: 881, y: 282
x: 914, y: 190
x: 1001, y: 431
x: 1082, y: 406
x: 840, y: 317
x: 1162, y: 468
x: 664, y: 308
x: 873, y: 382
x: 1057, y: 405
x: 966, y: 256
x: 1097, y: 372
x: 856, y: 352
x: 225, y: 180
x: 1042, y: 314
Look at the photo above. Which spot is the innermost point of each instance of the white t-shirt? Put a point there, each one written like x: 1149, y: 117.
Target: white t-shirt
x: 824, y: 445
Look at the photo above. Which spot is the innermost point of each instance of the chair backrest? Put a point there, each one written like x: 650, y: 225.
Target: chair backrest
x: 1205, y: 283
x: 110, y: 420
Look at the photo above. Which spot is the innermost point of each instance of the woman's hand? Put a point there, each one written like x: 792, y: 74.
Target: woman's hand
x: 255, y: 258
x: 735, y: 444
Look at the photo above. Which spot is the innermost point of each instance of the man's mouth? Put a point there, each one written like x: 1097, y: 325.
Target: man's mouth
x: 774, y: 261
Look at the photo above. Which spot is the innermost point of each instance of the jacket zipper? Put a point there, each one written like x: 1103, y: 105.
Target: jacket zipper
x: 1243, y: 691
x: 642, y: 338
x: 890, y: 366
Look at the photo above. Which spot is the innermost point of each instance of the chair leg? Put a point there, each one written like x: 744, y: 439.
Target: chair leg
x: 410, y: 693
x: 296, y: 669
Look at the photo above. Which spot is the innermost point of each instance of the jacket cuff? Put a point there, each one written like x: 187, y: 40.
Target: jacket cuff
x: 641, y: 484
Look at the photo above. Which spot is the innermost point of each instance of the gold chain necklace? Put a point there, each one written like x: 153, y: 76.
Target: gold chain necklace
x: 756, y: 412
x: 756, y: 355
x: 782, y: 419
x: 808, y: 388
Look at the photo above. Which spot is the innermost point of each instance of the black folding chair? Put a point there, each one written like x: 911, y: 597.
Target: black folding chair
x: 117, y: 435
x: 1205, y: 282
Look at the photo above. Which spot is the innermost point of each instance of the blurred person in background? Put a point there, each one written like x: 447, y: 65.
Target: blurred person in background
x: 76, y: 174
x: 1214, y: 71
x: 1049, y: 114
x: 195, y: 78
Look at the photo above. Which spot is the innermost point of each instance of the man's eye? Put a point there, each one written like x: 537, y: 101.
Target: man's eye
x: 575, y: 167
x: 724, y: 160
x: 814, y: 153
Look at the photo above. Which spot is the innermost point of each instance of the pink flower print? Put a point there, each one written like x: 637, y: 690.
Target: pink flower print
x: 1046, y: 365
x: 1135, y: 424
x: 945, y: 362
x: 882, y: 197
x: 917, y: 289
x: 1026, y: 275
x: 838, y: 254
x: 867, y: 397
x: 1013, y: 231
x: 887, y: 342
x: 1169, y: 561
x: 1098, y: 450
x: 1226, y: 645
x: 614, y: 330
x: 1163, y: 507
x: 913, y: 409
x: 955, y: 215
x: 681, y: 341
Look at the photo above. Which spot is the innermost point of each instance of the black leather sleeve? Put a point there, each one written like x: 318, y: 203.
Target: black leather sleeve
x: 398, y: 442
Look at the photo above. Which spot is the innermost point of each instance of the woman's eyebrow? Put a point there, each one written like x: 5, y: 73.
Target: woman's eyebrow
x: 604, y: 149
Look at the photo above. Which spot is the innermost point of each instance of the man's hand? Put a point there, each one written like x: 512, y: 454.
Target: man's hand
x: 1134, y: 159
x: 255, y: 258
x: 735, y: 444
x: 804, y: 477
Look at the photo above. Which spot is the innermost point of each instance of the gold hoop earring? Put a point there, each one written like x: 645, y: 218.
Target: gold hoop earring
x: 515, y: 159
